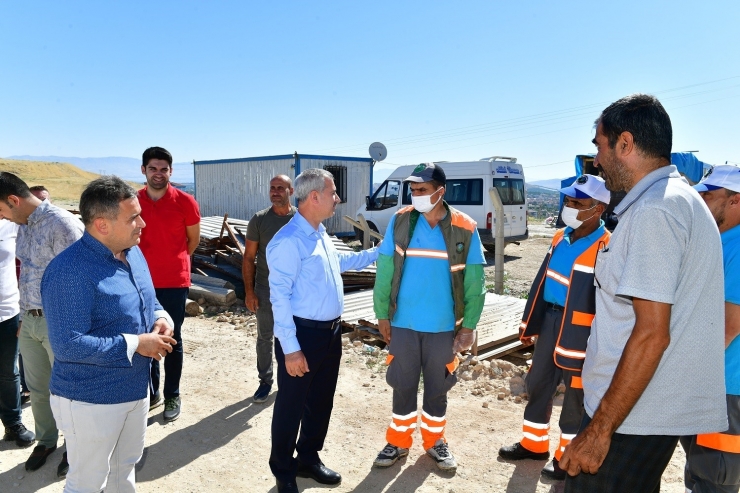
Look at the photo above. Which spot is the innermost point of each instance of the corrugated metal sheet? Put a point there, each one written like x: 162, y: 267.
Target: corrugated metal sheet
x: 238, y: 189
x: 241, y: 188
x: 358, y: 186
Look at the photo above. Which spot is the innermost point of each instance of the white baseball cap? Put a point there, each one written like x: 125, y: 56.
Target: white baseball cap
x: 724, y: 176
x: 588, y: 187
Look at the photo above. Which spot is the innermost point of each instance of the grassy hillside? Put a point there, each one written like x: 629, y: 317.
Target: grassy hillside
x: 64, y: 181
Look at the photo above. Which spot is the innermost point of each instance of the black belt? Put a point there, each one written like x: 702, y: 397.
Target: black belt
x: 554, y: 307
x: 36, y: 312
x: 316, y: 324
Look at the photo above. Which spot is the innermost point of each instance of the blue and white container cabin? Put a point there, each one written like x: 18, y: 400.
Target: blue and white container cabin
x: 240, y: 187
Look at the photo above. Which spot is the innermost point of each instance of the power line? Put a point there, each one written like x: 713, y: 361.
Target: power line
x: 519, y: 121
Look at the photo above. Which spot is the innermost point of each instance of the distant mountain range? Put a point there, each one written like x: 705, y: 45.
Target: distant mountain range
x: 127, y: 168
x: 552, y: 184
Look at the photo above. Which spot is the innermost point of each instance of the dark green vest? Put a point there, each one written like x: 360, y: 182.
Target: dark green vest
x: 457, y: 230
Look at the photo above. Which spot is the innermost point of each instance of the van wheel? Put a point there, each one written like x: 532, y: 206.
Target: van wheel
x: 491, y: 247
x: 360, y: 235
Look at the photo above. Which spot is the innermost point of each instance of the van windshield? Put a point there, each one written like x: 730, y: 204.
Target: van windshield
x: 510, y: 190
x: 466, y: 191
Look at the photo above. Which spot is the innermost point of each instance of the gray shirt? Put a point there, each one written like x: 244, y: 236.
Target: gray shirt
x: 49, y: 231
x: 666, y: 248
x: 261, y: 228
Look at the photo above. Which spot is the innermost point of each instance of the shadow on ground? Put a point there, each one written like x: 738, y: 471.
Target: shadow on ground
x: 196, y: 440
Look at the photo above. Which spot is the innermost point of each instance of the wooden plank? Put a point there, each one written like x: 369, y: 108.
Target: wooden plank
x: 233, y: 237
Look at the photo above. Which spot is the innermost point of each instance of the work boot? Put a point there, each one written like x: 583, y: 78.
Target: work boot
x: 22, y: 436
x: 552, y: 470
x: 518, y: 452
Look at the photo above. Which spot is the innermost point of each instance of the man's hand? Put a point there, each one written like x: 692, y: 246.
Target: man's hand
x: 18, y: 332
x: 586, y: 452
x: 528, y: 341
x: 384, y: 326
x: 163, y: 328
x: 296, y: 364
x: 251, y: 301
x: 463, y: 340
x: 155, y: 345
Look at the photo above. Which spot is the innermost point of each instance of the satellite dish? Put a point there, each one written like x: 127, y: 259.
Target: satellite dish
x: 378, y: 151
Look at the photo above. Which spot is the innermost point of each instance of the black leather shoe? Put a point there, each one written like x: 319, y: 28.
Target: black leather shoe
x: 286, y: 486
x: 552, y: 470
x: 22, y: 436
x: 38, y: 457
x: 319, y: 473
x: 63, y: 467
x: 517, y: 452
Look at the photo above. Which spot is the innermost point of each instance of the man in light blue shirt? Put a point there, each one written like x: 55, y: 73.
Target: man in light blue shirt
x: 713, y: 459
x: 307, y: 299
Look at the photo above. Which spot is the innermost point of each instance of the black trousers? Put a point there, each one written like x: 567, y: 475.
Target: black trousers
x: 633, y: 464
x: 173, y: 300
x: 304, y: 402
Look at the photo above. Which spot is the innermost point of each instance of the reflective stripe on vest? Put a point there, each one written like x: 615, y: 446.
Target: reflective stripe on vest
x: 571, y: 353
x: 561, y: 279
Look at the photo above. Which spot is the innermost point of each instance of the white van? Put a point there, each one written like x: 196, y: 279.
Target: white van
x: 467, y: 190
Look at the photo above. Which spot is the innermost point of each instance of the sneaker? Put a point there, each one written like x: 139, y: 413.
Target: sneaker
x: 389, y: 455
x: 518, y: 452
x: 63, y: 467
x: 263, y: 391
x: 441, y: 453
x: 171, y: 408
x: 22, y: 436
x: 155, y: 401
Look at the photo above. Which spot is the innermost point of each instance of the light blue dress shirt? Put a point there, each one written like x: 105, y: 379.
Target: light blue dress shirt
x: 305, y: 277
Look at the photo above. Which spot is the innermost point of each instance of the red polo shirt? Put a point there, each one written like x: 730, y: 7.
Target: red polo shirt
x: 164, y: 241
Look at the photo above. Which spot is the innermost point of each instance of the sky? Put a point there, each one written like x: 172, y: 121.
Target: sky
x: 432, y: 80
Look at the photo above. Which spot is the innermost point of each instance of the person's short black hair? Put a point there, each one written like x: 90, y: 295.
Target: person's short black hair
x: 12, y: 185
x: 38, y: 188
x: 645, y: 118
x: 101, y: 198
x: 156, y: 153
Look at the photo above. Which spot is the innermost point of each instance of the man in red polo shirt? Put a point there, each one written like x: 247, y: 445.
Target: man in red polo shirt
x: 172, y: 232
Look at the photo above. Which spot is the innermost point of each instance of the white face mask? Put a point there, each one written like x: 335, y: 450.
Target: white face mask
x: 423, y: 203
x: 570, y: 216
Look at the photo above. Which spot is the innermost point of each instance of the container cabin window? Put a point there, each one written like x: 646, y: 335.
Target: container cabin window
x: 340, y: 180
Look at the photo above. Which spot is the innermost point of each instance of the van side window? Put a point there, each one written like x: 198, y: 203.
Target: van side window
x: 511, y: 191
x: 465, y: 191
x: 386, y: 196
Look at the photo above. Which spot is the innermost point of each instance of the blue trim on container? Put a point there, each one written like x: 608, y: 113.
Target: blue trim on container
x: 244, y: 160
x: 337, y: 158
x: 282, y: 156
x: 372, y: 168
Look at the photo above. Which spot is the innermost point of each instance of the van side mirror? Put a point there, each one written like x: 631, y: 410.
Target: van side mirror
x: 367, y: 202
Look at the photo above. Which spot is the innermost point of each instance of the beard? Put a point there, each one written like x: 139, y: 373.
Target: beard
x: 617, y: 178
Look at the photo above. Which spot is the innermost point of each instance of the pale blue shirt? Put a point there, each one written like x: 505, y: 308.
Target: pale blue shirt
x: 305, y: 278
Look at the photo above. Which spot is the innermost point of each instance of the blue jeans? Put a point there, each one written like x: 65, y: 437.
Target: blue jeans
x: 173, y: 300
x: 10, y: 394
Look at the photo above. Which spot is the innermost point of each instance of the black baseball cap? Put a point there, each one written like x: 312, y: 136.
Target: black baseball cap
x: 427, y: 172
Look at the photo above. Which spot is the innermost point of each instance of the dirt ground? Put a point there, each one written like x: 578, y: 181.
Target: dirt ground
x: 222, y: 440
